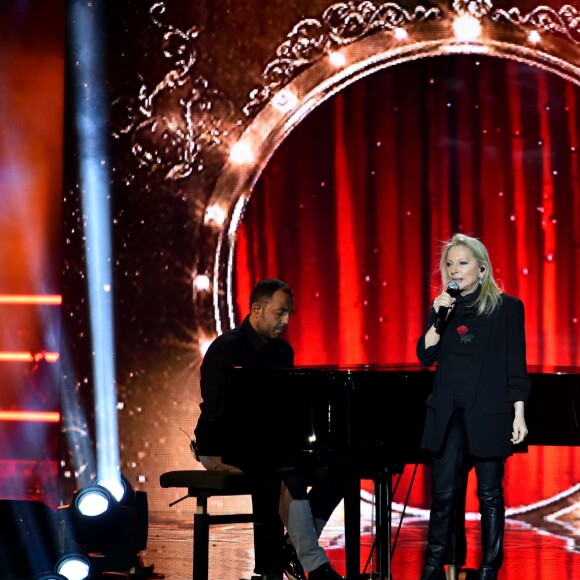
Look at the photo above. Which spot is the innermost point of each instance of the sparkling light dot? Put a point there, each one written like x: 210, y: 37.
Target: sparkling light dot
x: 202, y: 282
x: 215, y: 214
x: 241, y: 152
x: 204, y: 345
x: 285, y: 100
x: 466, y: 28
x: 337, y: 59
x: 400, y: 34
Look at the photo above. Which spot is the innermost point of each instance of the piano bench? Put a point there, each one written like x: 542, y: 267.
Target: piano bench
x: 202, y: 485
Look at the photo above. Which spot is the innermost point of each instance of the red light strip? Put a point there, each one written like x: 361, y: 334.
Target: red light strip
x: 51, y: 299
x: 15, y: 356
x: 30, y: 416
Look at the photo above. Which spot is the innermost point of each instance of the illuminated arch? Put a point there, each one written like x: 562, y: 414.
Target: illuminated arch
x: 346, y: 46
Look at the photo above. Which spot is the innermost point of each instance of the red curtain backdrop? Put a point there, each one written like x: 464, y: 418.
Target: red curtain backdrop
x: 353, y: 206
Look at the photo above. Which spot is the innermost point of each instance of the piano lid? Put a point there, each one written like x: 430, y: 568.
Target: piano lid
x: 387, y: 393
x: 553, y: 412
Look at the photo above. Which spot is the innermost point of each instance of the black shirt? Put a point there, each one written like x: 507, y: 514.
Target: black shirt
x: 243, y: 347
x: 462, y: 348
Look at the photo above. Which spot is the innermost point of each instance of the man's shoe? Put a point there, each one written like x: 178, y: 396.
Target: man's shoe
x: 292, y: 566
x: 324, y: 572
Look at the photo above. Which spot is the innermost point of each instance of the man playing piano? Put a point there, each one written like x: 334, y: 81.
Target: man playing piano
x: 475, y: 412
x: 281, y: 489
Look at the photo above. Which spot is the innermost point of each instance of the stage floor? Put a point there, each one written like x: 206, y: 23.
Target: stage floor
x: 531, y: 552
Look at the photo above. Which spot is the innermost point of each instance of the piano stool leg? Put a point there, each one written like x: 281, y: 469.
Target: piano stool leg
x: 452, y: 573
x: 201, y: 540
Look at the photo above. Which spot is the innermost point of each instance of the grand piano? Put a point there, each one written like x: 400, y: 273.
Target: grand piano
x: 371, y: 417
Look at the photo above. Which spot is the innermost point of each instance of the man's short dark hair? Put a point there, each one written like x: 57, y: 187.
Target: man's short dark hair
x: 265, y: 289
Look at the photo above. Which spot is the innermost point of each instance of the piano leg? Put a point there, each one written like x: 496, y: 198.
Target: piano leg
x: 352, y: 528
x: 383, y: 502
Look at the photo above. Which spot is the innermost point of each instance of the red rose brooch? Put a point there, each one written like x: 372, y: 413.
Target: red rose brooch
x: 464, y: 333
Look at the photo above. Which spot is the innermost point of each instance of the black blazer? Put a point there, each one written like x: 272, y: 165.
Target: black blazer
x: 503, y: 379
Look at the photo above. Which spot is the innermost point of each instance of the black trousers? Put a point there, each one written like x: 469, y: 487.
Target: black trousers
x: 449, y: 468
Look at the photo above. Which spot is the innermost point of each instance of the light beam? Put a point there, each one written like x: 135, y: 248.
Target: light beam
x: 91, y: 126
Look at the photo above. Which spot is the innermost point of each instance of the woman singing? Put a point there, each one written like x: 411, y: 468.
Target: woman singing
x: 475, y: 412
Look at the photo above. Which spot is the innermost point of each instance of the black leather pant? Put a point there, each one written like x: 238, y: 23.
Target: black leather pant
x: 449, y: 469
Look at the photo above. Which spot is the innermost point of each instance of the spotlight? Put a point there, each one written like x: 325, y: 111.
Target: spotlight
x: 73, y: 567
x: 136, y: 500
x: 118, y: 487
x: 91, y: 520
x: 92, y: 502
x: 109, y: 530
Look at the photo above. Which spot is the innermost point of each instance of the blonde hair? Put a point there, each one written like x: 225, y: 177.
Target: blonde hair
x: 490, y: 296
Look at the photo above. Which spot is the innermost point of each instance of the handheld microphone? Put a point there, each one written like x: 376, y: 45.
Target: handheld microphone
x: 453, y: 290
